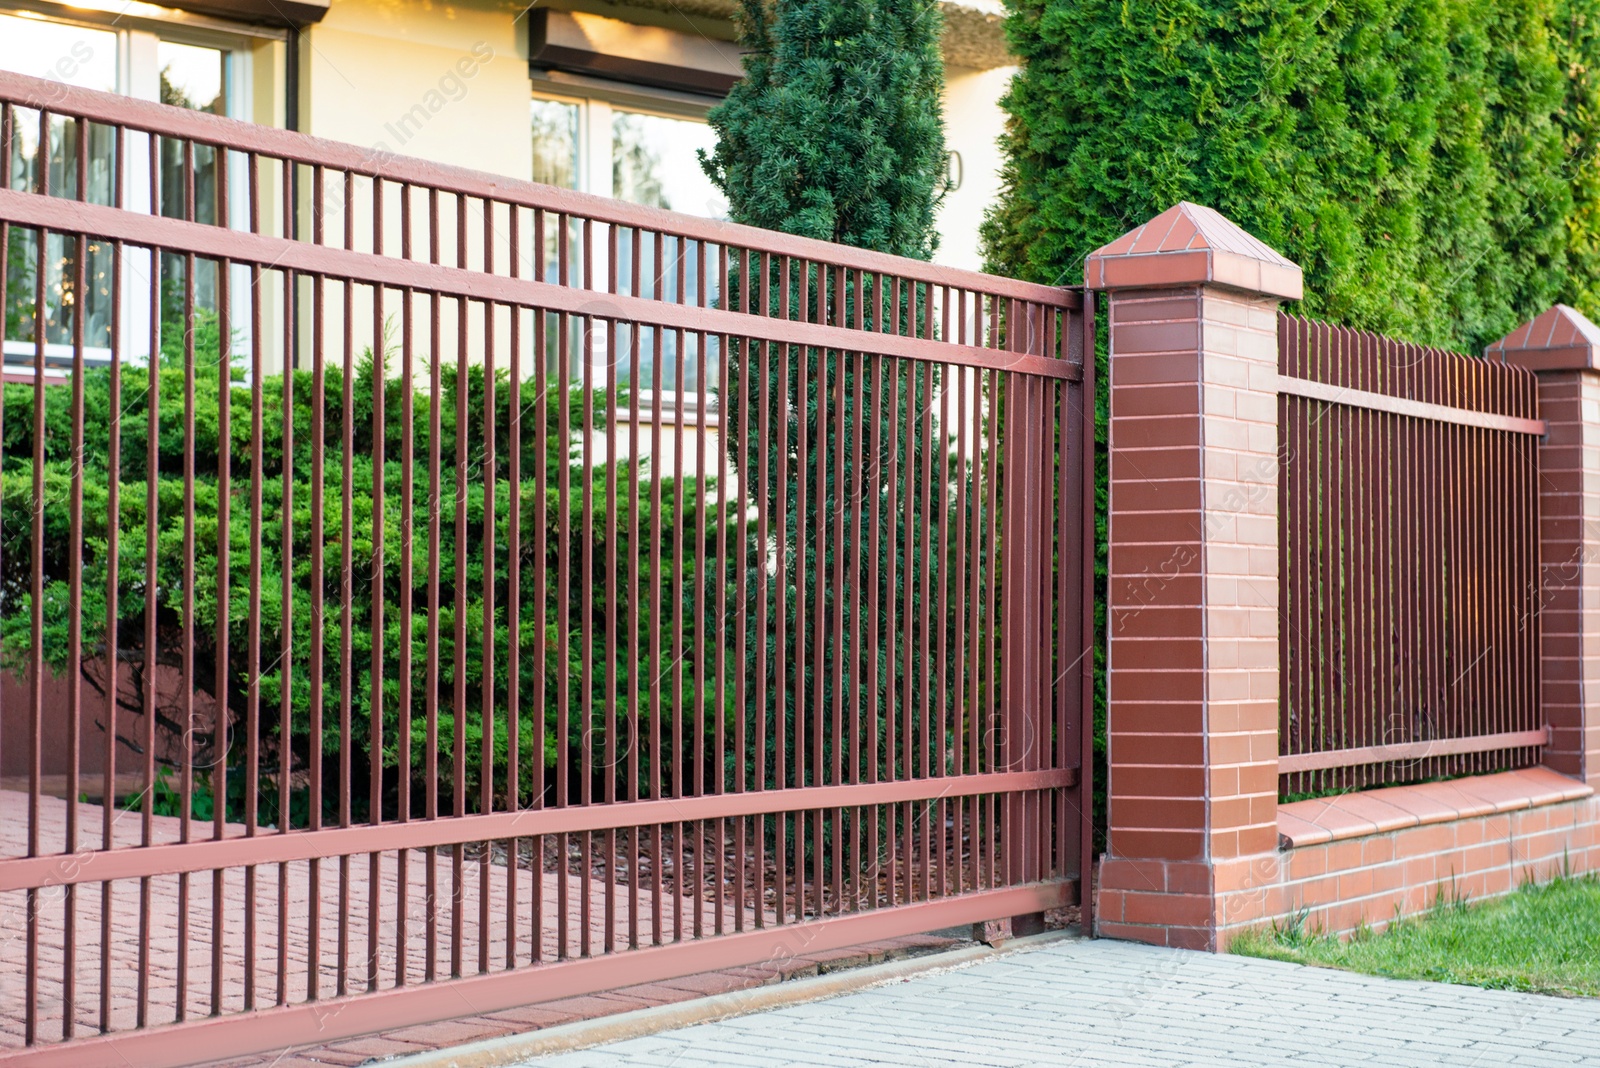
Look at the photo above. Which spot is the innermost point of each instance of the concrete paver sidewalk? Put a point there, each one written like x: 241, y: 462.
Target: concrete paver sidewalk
x: 1082, y: 1003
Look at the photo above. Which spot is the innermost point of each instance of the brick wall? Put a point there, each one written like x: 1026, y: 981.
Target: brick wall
x: 1365, y: 858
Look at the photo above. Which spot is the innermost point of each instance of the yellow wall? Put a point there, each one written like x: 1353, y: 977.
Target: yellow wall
x: 371, y: 63
x: 973, y: 121
x: 445, y: 82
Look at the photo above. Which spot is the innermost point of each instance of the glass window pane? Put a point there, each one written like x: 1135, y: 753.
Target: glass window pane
x: 655, y: 162
x: 73, y: 55
x: 79, y: 56
x: 555, y: 143
x: 193, y: 77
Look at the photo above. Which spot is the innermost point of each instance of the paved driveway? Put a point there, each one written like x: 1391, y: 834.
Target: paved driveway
x: 1115, y: 1003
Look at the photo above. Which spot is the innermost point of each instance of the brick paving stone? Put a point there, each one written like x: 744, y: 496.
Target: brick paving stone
x: 123, y: 949
x: 1084, y: 1004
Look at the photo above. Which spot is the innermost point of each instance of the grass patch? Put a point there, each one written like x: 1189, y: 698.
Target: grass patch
x: 1540, y: 939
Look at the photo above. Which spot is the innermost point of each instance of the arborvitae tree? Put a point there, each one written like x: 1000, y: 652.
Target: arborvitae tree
x: 836, y: 133
x: 1576, y: 35
x: 1408, y: 154
x: 836, y: 130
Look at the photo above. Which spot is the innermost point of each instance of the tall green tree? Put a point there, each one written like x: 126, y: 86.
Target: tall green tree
x: 1415, y: 157
x: 836, y: 130
x: 1576, y: 37
x: 836, y: 133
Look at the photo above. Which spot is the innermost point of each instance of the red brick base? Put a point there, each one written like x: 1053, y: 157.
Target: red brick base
x: 1367, y: 858
x: 1364, y: 859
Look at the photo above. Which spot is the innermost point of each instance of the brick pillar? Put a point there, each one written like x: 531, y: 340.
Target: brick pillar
x: 1562, y: 349
x: 1193, y: 642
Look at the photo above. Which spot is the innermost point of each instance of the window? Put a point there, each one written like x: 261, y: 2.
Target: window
x: 655, y: 161
x: 183, y: 66
x: 625, y: 152
x: 643, y: 157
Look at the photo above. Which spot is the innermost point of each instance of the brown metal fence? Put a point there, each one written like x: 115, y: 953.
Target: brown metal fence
x: 1408, y: 536
x: 439, y: 686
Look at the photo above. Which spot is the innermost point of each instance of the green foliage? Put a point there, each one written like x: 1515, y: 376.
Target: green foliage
x: 836, y: 133
x: 1429, y: 165
x: 564, y: 507
x: 1432, y: 166
x: 1576, y: 31
x: 836, y: 130
x: 1538, y: 939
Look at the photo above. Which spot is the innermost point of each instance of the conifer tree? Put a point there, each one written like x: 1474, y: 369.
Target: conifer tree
x: 836, y: 133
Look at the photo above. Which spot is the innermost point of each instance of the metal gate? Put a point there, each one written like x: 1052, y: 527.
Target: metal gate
x: 604, y: 594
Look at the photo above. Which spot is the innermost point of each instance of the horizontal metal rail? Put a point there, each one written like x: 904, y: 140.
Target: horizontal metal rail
x: 211, y: 242
x: 208, y: 854
x: 334, y: 1019
x: 1412, y: 409
x: 1436, y: 747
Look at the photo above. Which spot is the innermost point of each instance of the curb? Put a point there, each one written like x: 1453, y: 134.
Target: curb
x: 564, y: 1038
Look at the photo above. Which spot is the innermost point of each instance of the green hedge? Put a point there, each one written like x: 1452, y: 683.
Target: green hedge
x: 584, y: 549
x: 1430, y: 165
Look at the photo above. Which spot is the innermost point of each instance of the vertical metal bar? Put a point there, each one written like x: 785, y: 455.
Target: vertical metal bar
x: 750, y: 874
x: 586, y: 601
x: 152, y: 504
x: 513, y: 583
x: 839, y: 652
x: 564, y: 551
x: 988, y: 837
x: 375, y: 742
x: 915, y: 488
x: 113, y: 660
x: 187, y: 701
x: 460, y: 593
x: 489, y: 461
x: 223, y: 727
x: 776, y: 412
x: 1088, y: 417
x: 541, y: 476
x: 634, y: 651
x: 658, y: 786
x: 720, y: 667
x: 36, y: 600
x: 760, y: 480
x: 403, y: 701
x: 286, y: 596
x: 69, y: 1006
x: 430, y: 757
x: 613, y: 715
x: 960, y: 529
x: 680, y: 778
x: 889, y: 446
x: 976, y: 618
x: 252, y: 781
x: 314, y: 669
x: 871, y: 466
x: 856, y: 679
x: 458, y: 740
x: 696, y: 600
x: 802, y: 494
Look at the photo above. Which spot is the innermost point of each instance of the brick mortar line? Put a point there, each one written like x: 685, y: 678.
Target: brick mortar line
x: 583, y: 1034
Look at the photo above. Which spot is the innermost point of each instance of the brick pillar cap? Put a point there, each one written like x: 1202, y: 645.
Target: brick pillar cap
x: 1562, y: 339
x: 1192, y: 245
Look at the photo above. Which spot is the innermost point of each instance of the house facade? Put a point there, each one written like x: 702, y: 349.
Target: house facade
x: 607, y: 98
